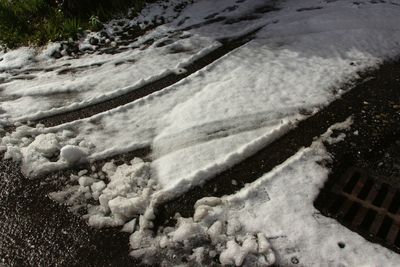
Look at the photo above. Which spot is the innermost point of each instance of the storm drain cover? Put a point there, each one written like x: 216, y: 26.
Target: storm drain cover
x: 365, y: 204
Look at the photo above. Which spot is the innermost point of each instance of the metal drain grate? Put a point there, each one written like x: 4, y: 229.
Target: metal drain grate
x: 366, y: 205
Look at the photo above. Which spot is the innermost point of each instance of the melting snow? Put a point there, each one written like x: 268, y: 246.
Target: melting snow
x: 272, y: 220
x: 296, y: 64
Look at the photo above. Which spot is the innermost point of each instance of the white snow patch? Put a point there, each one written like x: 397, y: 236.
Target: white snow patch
x: 122, y: 194
x: 73, y: 154
x: 18, y: 58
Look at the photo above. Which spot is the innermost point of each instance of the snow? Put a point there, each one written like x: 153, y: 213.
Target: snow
x: 225, y: 112
x: 272, y: 220
x: 44, y: 86
x: 298, y: 63
x: 86, y: 181
x: 120, y: 193
x: 200, y: 243
x: 41, y: 152
x: 16, y: 58
x: 129, y: 227
x: 93, y: 78
x: 73, y: 154
x: 297, y: 226
x: 46, y: 144
x: 234, y: 254
x: 35, y: 85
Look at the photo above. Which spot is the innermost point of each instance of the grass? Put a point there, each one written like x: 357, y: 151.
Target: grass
x: 36, y: 22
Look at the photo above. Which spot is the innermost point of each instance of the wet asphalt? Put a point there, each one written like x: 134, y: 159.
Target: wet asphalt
x: 36, y: 231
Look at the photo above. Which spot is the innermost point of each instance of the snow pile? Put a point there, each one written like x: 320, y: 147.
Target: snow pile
x: 113, y: 196
x: 41, y: 151
x: 73, y: 154
x: 204, y: 240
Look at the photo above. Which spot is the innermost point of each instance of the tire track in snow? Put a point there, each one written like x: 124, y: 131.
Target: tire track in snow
x: 88, y: 111
x: 375, y: 87
x: 220, y: 129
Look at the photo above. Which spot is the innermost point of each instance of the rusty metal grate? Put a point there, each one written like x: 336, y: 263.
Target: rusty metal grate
x: 365, y: 204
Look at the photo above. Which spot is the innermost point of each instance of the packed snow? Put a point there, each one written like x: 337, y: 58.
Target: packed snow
x: 299, y: 61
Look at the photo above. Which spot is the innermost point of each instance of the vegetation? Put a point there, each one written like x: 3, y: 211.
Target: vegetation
x: 35, y: 22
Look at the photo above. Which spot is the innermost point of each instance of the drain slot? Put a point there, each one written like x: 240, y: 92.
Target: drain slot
x: 378, y: 201
x: 351, y: 212
x: 394, y: 206
x: 365, y: 189
x: 369, y: 218
x: 352, y: 182
x: 384, y: 229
